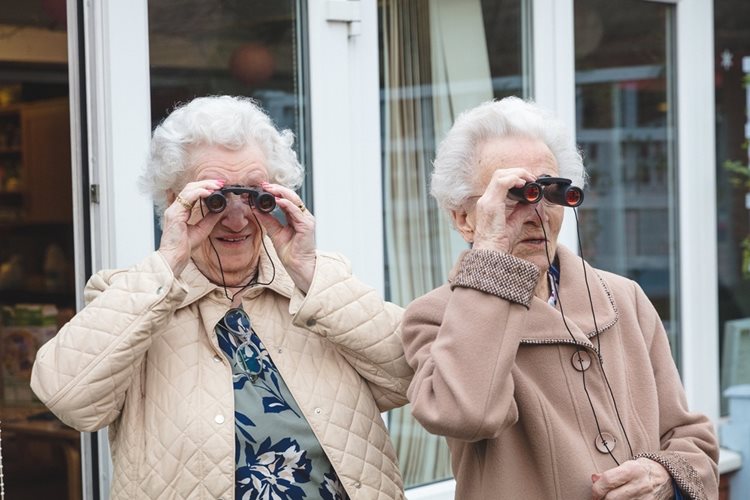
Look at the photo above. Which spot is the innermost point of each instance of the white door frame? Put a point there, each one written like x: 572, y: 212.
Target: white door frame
x: 117, y: 103
x: 345, y: 131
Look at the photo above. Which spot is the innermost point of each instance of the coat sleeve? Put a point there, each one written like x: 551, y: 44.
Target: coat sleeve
x: 689, y: 448
x: 462, y: 343
x: 84, y: 373
x: 364, y: 328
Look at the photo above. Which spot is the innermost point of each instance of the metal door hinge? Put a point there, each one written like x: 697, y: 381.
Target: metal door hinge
x: 346, y: 11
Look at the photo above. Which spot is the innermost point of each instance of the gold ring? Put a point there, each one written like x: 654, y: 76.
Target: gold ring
x: 183, y: 202
x: 301, y: 207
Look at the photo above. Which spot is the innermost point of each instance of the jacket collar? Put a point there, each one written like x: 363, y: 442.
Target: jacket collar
x: 270, y: 271
x: 545, y: 323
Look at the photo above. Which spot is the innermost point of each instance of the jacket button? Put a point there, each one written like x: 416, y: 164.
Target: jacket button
x: 219, y: 419
x: 358, y: 485
x: 605, y: 442
x: 311, y: 322
x: 318, y: 411
x: 217, y: 358
x: 581, y: 360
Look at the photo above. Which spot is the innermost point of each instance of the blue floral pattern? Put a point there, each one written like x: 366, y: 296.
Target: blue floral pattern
x: 277, y: 456
x: 276, y: 472
x: 332, y: 489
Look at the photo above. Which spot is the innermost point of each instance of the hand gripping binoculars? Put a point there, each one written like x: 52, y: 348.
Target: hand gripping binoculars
x: 557, y: 190
x: 255, y: 197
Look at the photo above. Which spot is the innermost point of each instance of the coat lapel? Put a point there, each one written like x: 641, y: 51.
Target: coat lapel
x: 545, y: 323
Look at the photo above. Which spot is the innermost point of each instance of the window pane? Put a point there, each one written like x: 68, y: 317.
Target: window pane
x: 625, y: 126
x: 438, y: 58
x: 733, y: 185
x: 249, y: 48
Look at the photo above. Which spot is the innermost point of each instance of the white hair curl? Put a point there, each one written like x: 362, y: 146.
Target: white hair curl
x: 226, y: 121
x: 455, y: 162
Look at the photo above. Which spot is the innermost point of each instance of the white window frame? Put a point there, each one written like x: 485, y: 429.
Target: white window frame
x: 116, y: 68
x: 345, y: 131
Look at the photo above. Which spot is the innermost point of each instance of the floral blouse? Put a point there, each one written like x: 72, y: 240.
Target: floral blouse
x: 277, y: 456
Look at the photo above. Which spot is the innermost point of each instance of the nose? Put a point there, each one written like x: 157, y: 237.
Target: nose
x: 234, y: 216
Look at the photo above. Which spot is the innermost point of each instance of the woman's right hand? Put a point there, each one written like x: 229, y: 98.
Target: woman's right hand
x: 498, y: 224
x: 179, y: 235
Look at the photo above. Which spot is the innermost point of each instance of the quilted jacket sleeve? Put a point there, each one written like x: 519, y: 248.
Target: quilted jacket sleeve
x: 83, y: 373
x: 689, y: 449
x: 365, y: 329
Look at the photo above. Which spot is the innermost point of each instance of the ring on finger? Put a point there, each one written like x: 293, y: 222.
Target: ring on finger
x: 182, y: 201
x: 301, y: 207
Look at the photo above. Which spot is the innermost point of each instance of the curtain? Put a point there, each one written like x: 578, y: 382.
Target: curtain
x: 434, y: 66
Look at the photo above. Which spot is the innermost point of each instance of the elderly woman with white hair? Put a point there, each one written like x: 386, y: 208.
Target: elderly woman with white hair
x: 236, y: 361
x: 549, y: 378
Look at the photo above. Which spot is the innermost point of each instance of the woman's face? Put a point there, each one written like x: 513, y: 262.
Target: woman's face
x: 237, y: 236
x: 535, y: 157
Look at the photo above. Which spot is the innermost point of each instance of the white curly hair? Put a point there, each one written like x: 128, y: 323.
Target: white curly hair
x: 228, y: 121
x: 455, y: 162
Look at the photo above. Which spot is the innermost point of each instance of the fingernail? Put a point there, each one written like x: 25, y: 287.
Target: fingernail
x: 595, y: 477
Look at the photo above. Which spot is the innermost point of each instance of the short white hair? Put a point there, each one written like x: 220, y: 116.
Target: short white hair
x: 455, y: 163
x: 226, y: 121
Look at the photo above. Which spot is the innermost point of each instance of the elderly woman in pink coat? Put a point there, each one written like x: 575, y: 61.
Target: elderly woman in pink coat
x: 549, y: 378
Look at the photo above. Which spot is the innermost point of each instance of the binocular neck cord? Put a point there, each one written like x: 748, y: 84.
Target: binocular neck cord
x: 254, y: 280
x: 575, y: 342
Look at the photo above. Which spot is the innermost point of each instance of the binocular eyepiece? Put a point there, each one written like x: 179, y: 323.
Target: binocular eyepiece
x: 255, y: 197
x: 557, y: 190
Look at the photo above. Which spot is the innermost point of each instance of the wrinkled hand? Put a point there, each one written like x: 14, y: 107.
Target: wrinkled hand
x: 295, y: 241
x: 497, y: 224
x: 179, y: 237
x: 640, y: 479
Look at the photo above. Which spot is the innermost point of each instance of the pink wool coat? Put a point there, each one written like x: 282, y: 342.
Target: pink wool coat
x: 497, y: 373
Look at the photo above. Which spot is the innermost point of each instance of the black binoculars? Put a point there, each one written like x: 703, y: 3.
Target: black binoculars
x: 557, y: 190
x: 255, y: 197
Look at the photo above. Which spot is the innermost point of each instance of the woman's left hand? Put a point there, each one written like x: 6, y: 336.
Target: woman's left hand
x: 295, y: 241
x: 635, y: 479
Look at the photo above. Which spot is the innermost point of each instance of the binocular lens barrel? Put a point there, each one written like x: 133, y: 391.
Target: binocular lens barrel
x: 216, y: 202
x: 531, y: 192
x: 565, y: 195
x: 573, y: 197
x: 265, y: 202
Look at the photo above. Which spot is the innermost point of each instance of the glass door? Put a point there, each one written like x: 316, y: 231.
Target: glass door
x: 625, y: 117
x: 41, y: 455
x: 438, y: 58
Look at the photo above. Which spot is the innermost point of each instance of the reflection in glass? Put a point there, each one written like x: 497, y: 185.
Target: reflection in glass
x: 249, y: 48
x: 438, y: 58
x: 625, y: 127
x: 732, y: 45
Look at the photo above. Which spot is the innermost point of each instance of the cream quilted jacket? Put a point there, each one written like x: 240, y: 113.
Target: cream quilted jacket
x: 142, y: 357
